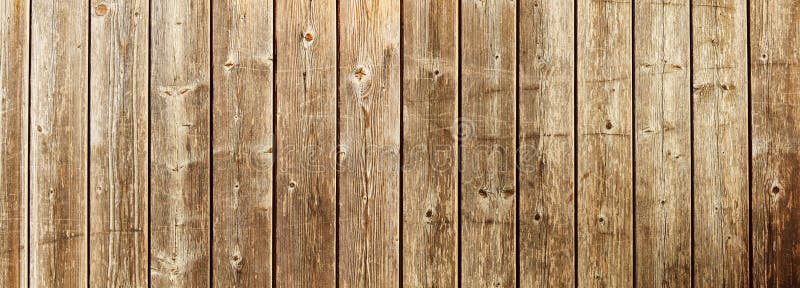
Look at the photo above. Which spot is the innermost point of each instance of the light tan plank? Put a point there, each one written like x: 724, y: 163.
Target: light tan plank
x: 306, y: 180
x: 59, y: 143
x: 369, y: 131
x: 180, y: 107
x: 430, y: 148
x: 605, y: 216
x: 663, y: 144
x: 546, y: 139
x: 720, y: 143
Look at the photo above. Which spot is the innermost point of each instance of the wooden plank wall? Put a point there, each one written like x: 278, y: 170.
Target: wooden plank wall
x: 430, y: 143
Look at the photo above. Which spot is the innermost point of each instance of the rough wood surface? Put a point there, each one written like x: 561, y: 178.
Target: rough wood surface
x: 14, y: 63
x: 488, y: 131
x: 369, y: 136
x: 242, y: 70
x: 605, y: 214
x: 546, y: 143
x: 306, y: 127
x: 663, y: 144
x: 775, y: 78
x: 719, y: 95
x: 118, y: 178
x: 180, y: 143
x: 430, y: 148
x: 59, y: 144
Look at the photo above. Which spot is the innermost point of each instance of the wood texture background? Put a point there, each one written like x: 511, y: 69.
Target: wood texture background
x: 430, y: 143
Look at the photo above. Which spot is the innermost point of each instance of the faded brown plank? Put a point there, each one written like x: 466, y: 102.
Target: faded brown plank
x: 59, y: 144
x: 14, y: 68
x: 243, y: 140
x: 605, y: 216
x: 118, y: 129
x: 306, y: 179
x: 369, y: 133
x: 719, y: 95
x: 430, y: 175
x: 488, y: 131
x: 180, y: 143
x: 775, y: 64
x: 663, y: 144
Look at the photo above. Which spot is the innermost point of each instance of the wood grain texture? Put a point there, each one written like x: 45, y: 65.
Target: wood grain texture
x: 59, y: 148
x: 546, y: 143
x: 605, y: 216
x: 430, y: 148
x: 369, y: 135
x: 488, y: 110
x: 306, y: 180
x: 180, y: 143
x: 663, y: 144
x: 243, y: 63
x: 14, y: 69
x: 118, y: 178
x: 720, y: 100
x: 775, y: 80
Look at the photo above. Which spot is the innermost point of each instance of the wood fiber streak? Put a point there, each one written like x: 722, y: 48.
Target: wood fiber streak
x: 180, y: 143
x: 369, y: 133
x: 243, y: 63
x: 430, y: 149
x: 306, y: 179
x: 720, y: 103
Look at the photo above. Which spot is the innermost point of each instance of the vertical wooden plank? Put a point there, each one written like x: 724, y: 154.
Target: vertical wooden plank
x: 775, y: 76
x: 369, y: 106
x: 430, y: 162
x: 605, y: 216
x: 719, y: 95
x: 546, y: 143
x: 243, y: 143
x: 118, y: 177
x: 59, y: 143
x: 180, y: 107
x: 488, y: 107
x: 663, y: 144
x: 14, y: 68
x: 306, y: 119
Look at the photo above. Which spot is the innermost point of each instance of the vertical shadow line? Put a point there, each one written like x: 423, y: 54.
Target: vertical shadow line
x: 575, y: 141
x: 749, y: 150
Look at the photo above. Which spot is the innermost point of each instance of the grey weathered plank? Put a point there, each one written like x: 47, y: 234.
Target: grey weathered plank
x: 118, y: 128
x: 243, y: 140
x: 180, y: 143
x: 663, y: 144
x: 775, y: 78
x: 306, y: 129
x: 430, y: 148
x: 546, y: 143
x: 605, y: 216
x: 369, y: 133
x: 59, y: 143
x: 719, y: 96
x: 488, y: 131
x: 14, y: 68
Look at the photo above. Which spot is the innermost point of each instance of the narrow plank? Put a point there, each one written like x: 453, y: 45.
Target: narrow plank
x: 243, y: 143
x: 546, y: 143
x: 369, y: 133
x: 719, y: 96
x: 488, y: 131
x: 663, y: 144
x: 118, y: 129
x: 180, y: 143
x: 605, y: 216
x: 14, y: 68
x: 775, y: 78
x: 306, y: 119
x: 430, y: 150
x: 59, y: 144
